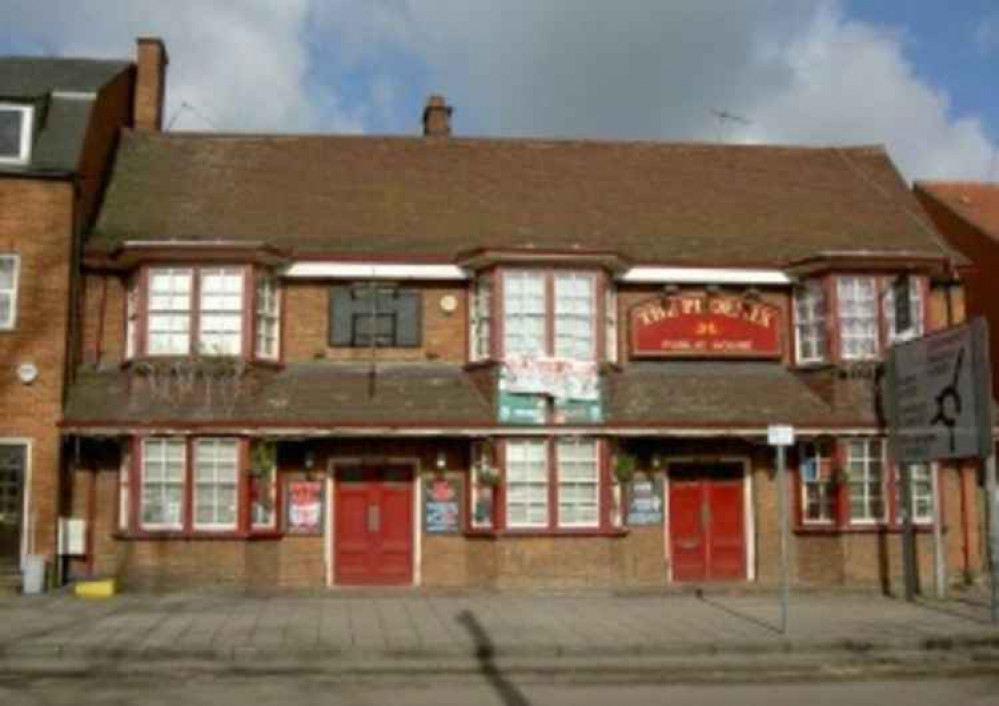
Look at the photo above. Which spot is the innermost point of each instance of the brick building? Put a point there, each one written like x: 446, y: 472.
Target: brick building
x: 333, y: 360
x: 59, y: 124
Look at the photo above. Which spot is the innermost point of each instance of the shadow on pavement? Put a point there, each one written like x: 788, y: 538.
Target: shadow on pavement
x: 735, y: 613
x: 486, y: 653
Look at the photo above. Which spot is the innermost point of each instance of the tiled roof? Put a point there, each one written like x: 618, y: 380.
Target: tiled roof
x: 703, y: 393
x: 318, y: 393
x: 652, y: 202
x: 61, y: 122
x: 680, y: 394
x: 976, y: 202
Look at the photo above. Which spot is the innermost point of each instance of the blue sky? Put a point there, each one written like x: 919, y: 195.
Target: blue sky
x: 914, y: 75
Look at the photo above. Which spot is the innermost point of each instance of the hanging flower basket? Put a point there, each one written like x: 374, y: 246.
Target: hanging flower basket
x: 487, y: 475
x: 625, y: 465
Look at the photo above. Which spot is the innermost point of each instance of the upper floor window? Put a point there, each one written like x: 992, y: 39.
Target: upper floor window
x: 16, y: 126
x: 858, y: 317
x: 810, y: 322
x: 564, y: 327
x: 267, y: 317
x: 481, y: 319
x: 9, y: 266
x: 375, y: 314
x: 203, y: 310
x: 915, y: 312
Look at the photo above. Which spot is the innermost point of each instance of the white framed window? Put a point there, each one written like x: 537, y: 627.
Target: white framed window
x: 16, y: 130
x: 610, y: 321
x: 524, y: 313
x: 865, y: 464
x: 818, y: 500
x: 216, y: 478
x: 481, y: 318
x: 578, y: 470
x: 10, y: 266
x: 169, y: 318
x: 810, y: 323
x: 526, y: 483
x: 575, y: 316
x: 858, y: 317
x: 163, y: 472
x: 915, y: 308
x: 921, y: 491
x: 268, y: 318
x: 221, y: 311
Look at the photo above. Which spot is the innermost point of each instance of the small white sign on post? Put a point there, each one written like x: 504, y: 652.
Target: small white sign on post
x: 780, y: 435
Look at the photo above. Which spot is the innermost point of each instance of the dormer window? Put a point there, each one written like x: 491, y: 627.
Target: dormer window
x: 16, y: 124
x: 858, y: 317
x: 218, y: 310
x: 810, y: 323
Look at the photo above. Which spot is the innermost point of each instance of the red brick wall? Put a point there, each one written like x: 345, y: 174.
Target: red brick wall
x: 306, y: 325
x: 36, y: 222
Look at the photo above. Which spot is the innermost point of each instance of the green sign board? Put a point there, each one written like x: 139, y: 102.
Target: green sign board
x: 579, y: 412
x: 521, y: 409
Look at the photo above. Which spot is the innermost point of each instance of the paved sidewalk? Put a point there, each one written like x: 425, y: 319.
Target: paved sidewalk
x: 419, y: 626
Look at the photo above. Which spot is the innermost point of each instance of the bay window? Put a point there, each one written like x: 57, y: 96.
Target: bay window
x: 551, y: 314
x: 810, y: 323
x: 858, y: 317
x: 216, y: 474
x: 203, y: 310
x: 865, y: 462
x: 163, y: 475
x: 610, y: 322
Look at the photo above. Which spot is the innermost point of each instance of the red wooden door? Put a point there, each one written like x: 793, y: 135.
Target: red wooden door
x: 373, y: 532
x: 706, y: 523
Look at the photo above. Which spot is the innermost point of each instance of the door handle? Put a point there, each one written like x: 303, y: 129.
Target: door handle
x: 374, y: 518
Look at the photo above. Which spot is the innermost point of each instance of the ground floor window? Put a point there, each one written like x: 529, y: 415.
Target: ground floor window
x: 849, y: 482
x: 552, y: 484
x: 187, y: 484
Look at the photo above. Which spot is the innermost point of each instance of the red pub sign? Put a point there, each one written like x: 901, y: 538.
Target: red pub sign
x: 705, y: 326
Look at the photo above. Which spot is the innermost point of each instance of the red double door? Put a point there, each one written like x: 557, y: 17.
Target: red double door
x: 373, y: 532
x: 707, y: 522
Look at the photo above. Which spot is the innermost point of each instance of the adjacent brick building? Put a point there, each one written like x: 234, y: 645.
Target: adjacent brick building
x: 60, y: 121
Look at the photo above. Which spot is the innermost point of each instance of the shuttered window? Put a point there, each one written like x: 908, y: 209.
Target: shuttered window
x: 382, y: 315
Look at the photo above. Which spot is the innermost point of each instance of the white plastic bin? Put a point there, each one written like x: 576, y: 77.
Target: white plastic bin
x: 34, y: 574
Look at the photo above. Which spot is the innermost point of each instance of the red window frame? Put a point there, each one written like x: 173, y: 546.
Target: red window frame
x: 497, y: 292
x: 842, y: 520
x: 244, y: 528
x: 248, y: 335
x: 604, y: 525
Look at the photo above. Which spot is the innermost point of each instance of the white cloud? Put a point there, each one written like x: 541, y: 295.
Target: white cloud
x: 800, y: 70
x: 241, y: 63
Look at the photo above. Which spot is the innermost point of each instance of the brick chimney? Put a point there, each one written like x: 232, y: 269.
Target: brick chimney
x: 437, y: 117
x: 150, y: 83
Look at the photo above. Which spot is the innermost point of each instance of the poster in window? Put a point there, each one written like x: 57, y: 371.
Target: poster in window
x: 645, y: 501
x: 442, y: 504
x: 305, y: 506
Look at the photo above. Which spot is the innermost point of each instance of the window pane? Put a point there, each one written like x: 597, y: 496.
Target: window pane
x: 574, y: 316
x: 216, y: 470
x: 169, y: 318
x: 865, y: 467
x: 162, y: 482
x: 267, y: 313
x: 527, y: 483
x: 221, y: 321
x: 858, y: 317
x: 11, y: 124
x: 524, y: 313
x: 578, y: 483
x: 810, y: 323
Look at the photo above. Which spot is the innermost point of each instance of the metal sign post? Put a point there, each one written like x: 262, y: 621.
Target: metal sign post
x: 782, y: 436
